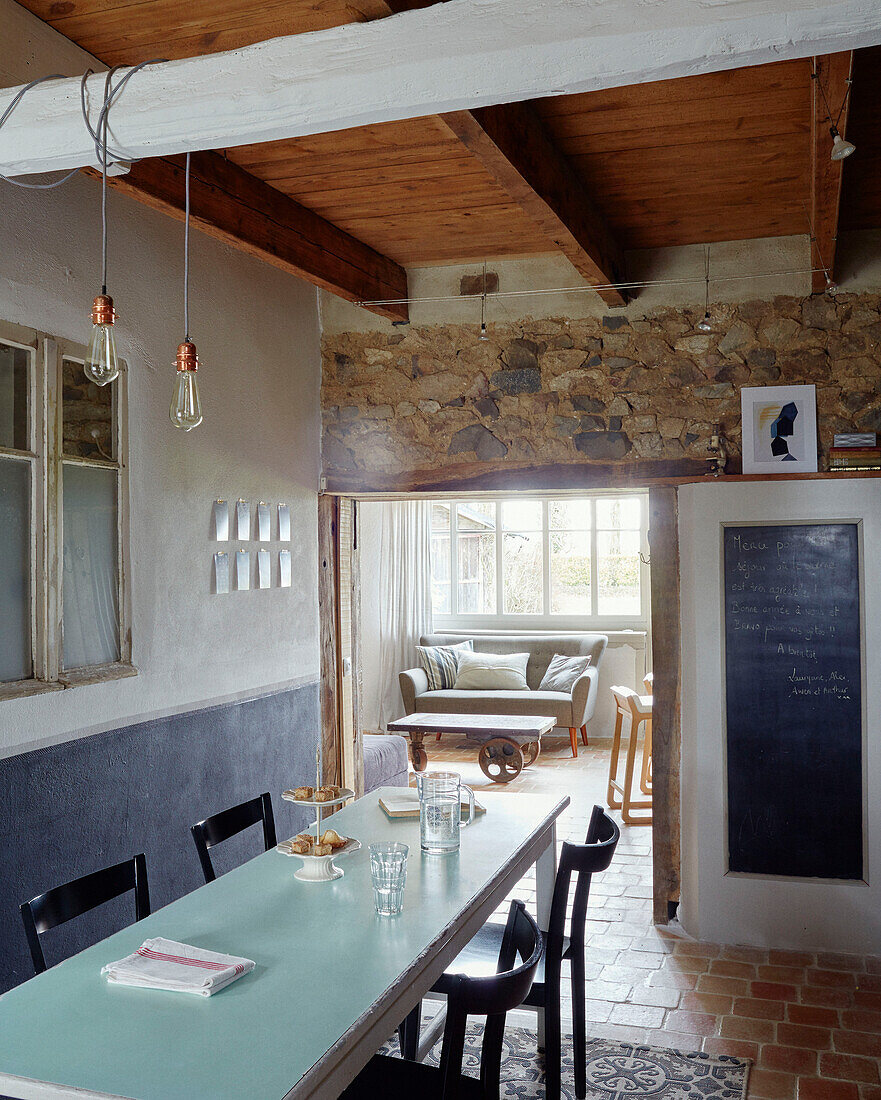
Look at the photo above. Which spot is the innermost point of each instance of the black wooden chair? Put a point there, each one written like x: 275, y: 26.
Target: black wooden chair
x: 491, y: 996
x: 580, y: 860
x: 63, y: 903
x: 221, y: 826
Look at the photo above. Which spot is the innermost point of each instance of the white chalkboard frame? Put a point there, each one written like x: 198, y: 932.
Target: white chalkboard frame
x: 861, y: 559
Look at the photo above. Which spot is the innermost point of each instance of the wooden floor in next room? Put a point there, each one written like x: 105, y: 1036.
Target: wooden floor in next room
x: 811, y: 1022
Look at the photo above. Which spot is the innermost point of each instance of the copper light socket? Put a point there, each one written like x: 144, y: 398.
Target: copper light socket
x: 103, y: 312
x: 187, y: 359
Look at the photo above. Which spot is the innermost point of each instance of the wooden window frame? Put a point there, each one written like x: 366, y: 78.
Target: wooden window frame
x: 46, y: 532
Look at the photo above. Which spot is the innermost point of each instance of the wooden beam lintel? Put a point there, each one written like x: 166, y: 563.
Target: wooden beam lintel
x: 832, y: 74
x: 230, y: 204
x: 513, y: 144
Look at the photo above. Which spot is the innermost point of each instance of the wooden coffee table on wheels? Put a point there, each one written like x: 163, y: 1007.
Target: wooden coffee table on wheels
x: 508, y: 742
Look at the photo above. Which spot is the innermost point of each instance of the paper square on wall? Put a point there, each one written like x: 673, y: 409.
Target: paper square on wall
x: 221, y: 520
x: 243, y: 570
x: 243, y: 520
x: 262, y: 522
x: 284, y: 568
x: 284, y: 523
x: 263, y: 578
x: 221, y: 573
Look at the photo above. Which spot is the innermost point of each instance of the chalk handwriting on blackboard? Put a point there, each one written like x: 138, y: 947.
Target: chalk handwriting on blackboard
x: 793, y: 696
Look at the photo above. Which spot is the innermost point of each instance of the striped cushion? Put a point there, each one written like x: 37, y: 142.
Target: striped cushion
x: 441, y: 663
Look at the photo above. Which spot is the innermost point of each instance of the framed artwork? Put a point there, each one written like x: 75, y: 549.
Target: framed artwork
x: 779, y: 429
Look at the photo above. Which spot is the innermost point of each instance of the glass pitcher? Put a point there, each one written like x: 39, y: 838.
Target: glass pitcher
x: 440, y: 818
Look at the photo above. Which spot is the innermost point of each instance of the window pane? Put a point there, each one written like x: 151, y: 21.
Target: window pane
x: 15, y: 573
x: 618, y: 512
x: 14, y: 364
x: 569, y: 515
x: 521, y: 515
x: 522, y: 563
x: 477, y: 515
x: 440, y: 515
x: 618, y: 573
x: 477, y: 573
x: 86, y: 415
x: 570, y: 573
x: 440, y: 573
x: 90, y: 618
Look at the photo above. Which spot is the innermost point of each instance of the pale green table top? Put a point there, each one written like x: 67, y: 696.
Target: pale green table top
x: 323, y: 959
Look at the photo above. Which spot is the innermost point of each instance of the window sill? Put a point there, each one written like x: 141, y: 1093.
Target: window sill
x: 100, y: 674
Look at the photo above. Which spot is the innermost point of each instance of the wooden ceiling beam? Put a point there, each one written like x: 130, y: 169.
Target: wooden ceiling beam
x: 832, y: 73
x: 231, y: 205
x: 227, y: 202
x: 514, y: 146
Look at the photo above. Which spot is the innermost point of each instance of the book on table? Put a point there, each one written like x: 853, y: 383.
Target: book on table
x: 405, y: 803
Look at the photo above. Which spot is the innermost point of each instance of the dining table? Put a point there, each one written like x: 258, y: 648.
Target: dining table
x: 332, y: 978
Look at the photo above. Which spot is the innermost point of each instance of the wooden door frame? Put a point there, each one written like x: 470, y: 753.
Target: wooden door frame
x: 664, y: 530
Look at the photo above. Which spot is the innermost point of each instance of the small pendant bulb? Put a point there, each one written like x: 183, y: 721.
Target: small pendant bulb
x: 102, y: 365
x: 185, y: 411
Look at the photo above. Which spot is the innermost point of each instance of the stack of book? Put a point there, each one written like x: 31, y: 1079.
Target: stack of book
x: 855, y: 451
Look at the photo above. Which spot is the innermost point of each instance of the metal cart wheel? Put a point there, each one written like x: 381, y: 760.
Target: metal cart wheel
x: 500, y: 760
x: 530, y: 753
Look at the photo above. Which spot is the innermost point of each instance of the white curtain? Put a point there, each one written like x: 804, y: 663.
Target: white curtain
x: 404, y: 595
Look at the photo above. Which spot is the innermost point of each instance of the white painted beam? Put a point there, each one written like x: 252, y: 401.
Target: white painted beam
x: 449, y: 57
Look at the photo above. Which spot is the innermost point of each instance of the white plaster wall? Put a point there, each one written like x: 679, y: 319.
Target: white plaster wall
x: 752, y: 909
x: 257, y: 333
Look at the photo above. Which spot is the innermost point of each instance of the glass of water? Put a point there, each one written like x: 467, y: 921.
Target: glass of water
x: 388, y: 868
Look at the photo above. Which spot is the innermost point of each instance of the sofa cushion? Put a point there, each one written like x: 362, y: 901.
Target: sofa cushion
x: 492, y: 672
x: 562, y: 672
x: 441, y: 663
x: 541, y: 648
x: 385, y: 761
x: 557, y: 704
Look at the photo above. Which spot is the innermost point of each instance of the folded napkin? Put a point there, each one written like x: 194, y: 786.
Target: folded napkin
x: 166, y: 964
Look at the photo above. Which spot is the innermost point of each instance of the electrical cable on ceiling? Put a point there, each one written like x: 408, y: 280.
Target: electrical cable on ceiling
x: 634, y: 284
x: 98, y: 133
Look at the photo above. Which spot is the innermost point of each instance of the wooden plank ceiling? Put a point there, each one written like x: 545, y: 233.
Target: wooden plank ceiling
x: 699, y: 159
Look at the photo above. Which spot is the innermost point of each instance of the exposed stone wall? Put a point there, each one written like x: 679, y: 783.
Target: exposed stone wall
x: 613, y: 390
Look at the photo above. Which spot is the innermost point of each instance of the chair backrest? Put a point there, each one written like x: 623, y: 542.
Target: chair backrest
x: 221, y: 826
x: 580, y: 860
x: 63, y: 903
x: 629, y: 702
x: 492, y: 997
x: 649, y: 683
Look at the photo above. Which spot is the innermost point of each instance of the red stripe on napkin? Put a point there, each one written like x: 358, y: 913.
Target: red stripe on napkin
x: 205, y: 964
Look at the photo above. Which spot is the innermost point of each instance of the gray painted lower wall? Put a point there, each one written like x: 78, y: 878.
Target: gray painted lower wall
x: 71, y: 808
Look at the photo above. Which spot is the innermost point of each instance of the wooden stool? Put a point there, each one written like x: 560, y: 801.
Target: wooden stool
x: 638, y: 709
x: 645, y: 782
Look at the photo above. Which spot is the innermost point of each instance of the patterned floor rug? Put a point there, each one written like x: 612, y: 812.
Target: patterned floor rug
x: 615, y: 1071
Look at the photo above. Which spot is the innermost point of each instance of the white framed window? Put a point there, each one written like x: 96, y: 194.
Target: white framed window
x: 546, y: 563
x: 63, y: 518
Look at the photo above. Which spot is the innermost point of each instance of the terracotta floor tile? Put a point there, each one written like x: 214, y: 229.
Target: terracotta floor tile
x: 773, y: 991
x: 830, y: 998
x: 726, y: 968
x: 812, y: 1015
x: 789, y: 1059
x: 739, y: 1027
x: 832, y: 979
x: 857, y: 1042
x: 850, y: 1067
x: 793, y: 975
x: 696, y: 1023
x: 813, y: 1088
x: 790, y: 958
x: 769, y: 1084
x: 730, y: 987
x: 694, y: 1001
x: 862, y: 1020
x: 737, y: 1048
x: 637, y: 1015
x: 798, y: 1035
x: 758, y: 1009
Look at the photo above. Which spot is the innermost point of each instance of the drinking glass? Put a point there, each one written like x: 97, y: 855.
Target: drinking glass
x: 388, y: 868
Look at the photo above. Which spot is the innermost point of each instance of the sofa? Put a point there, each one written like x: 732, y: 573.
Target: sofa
x: 385, y: 761
x: 572, y: 710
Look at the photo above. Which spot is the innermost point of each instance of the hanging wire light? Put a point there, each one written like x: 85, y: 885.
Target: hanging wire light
x: 705, y: 325
x: 186, y: 407
x: 102, y: 364
x: 841, y: 148
x: 483, y: 335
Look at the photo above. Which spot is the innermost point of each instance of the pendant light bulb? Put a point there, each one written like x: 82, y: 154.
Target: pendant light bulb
x: 840, y: 147
x: 102, y: 365
x: 705, y: 325
x: 185, y: 411
x: 483, y: 335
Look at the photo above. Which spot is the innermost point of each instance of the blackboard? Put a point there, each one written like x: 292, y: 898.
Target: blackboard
x: 793, y: 700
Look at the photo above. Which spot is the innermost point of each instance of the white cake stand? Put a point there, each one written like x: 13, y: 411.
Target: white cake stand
x: 319, y: 868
